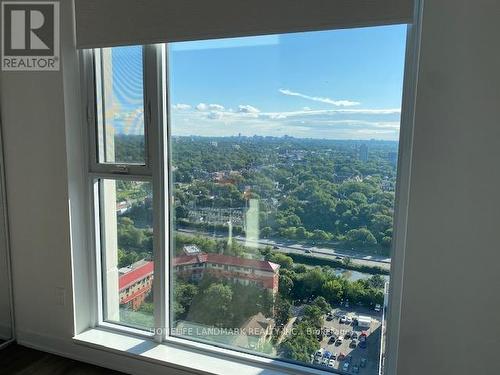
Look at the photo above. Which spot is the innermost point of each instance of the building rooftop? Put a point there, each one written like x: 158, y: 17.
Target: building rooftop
x: 138, y: 271
x: 226, y: 260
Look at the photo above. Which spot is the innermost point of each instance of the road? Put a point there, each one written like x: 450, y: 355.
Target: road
x: 318, y: 252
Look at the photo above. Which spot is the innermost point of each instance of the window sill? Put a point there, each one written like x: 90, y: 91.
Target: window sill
x: 181, y: 356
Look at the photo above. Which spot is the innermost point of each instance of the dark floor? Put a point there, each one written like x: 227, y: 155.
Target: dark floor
x: 19, y: 360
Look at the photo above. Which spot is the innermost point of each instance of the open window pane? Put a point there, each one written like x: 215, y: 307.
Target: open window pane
x: 120, y: 105
x: 284, y: 163
x: 126, y: 218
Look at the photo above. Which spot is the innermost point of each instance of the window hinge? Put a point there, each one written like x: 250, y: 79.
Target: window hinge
x: 89, y: 116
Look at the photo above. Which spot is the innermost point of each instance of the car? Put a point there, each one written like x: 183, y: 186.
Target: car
x: 331, y: 363
x: 342, y: 319
x: 339, y: 341
x: 334, y: 356
x: 341, y: 357
x: 327, y: 355
x: 347, y: 335
x: 318, y: 361
x: 325, y: 361
x: 307, y: 251
x: 377, y: 308
x: 362, y: 363
x: 354, y: 335
x: 329, y: 316
x: 353, y: 343
x: 320, y: 352
x: 276, y: 247
x: 332, y: 340
x: 346, y: 366
x: 355, y: 321
x: 348, y: 320
x: 355, y: 369
x: 338, y: 257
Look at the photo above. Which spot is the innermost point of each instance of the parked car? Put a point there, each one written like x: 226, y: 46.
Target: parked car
x: 276, y: 247
x: 334, y: 355
x: 329, y: 316
x: 331, y: 363
x: 353, y: 343
x: 327, y: 355
x: 339, y: 341
x: 362, y: 363
x: 332, y: 340
x: 354, y: 335
x: 325, y: 361
x: 345, y: 367
x: 318, y: 361
x: 377, y: 308
x: 348, y: 320
x: 342, y: 319
x: 347, y: 335
x: 320, y: 352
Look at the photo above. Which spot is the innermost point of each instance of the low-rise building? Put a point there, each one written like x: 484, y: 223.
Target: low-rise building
x: 235, y: 269
x: 135, y: 283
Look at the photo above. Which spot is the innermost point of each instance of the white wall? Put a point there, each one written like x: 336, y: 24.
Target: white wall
x: 451, y: 307
x: 451, y: 281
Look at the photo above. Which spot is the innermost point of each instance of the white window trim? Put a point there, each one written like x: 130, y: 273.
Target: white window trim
x: 173, y: 351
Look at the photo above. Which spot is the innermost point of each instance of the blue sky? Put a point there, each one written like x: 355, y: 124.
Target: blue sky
x: 342, y: 84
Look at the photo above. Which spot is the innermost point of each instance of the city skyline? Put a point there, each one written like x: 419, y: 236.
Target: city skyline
x: 276, y: 85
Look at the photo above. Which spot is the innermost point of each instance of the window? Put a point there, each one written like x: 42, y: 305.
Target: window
x: 249, y: 203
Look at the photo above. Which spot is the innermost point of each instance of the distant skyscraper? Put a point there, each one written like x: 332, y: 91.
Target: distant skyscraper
x: 392, y: 157
x: 363, y: 152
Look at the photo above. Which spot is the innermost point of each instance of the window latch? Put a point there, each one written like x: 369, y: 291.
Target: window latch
x: 120, y: 169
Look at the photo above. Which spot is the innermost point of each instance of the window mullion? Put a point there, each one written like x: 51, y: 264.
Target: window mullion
x: 153, y: 83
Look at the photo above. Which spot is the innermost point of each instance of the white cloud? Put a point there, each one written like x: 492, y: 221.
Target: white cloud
x: 201, y: 107
x: 181, y: 107
x: 338, y: 103
x: 215, y: 107
x: 247, y: 109
x: 209, y: 107
x: 215, y: 115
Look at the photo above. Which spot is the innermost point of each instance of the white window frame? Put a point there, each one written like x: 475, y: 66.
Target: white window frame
x: 152, y: 171
x: 156, y: 170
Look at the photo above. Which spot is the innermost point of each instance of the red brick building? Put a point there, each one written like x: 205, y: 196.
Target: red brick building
x: 135, y: 283
x: 246, y: 271
x: 136, y: 280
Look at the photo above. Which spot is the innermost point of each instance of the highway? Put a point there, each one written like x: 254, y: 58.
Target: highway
x: 319, y: 252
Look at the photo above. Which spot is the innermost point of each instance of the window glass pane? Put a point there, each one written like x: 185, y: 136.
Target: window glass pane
x: 120, y: 100
x: 127, y: 251
x: 284, y: 155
